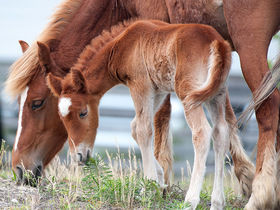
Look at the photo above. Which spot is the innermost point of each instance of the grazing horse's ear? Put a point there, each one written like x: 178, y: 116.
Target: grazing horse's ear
x: 54, y: 83
x: 24, y: 45
x: 78, y: 81
x: 44, y: 55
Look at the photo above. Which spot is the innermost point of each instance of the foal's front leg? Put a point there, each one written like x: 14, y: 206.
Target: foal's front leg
x: 142, y: 131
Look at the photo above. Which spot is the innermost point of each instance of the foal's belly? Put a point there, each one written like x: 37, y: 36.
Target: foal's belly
x: 162, y: 73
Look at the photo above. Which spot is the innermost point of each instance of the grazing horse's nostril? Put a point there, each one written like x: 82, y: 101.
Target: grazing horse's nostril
x: 38, y: 171
x: 28, y: 177
x: 80, y: 157
x: 19, y: 173
x: 88, y: 155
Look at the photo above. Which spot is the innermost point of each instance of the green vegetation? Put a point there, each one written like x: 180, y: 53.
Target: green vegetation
x: 111, y: 182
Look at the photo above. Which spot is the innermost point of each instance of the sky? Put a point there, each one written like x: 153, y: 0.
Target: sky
x: 24, y: 20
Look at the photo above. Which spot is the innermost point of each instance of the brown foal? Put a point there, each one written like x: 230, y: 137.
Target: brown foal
x: 153, y: 59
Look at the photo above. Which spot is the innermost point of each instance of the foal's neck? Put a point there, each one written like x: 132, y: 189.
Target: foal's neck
x: 97, y: 73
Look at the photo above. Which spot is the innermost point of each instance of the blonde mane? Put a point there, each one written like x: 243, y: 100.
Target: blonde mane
x: 99, y: 42
x: 23, y: 70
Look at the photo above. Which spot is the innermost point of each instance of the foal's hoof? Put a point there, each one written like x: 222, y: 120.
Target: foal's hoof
x: 191, y: 203
x: 163, y: 186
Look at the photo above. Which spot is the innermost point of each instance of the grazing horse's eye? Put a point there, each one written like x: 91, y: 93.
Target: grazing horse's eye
x: 83, y: 113
x: 37, y: 104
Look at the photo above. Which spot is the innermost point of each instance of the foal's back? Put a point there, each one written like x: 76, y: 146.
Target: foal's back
x: 156, y: 49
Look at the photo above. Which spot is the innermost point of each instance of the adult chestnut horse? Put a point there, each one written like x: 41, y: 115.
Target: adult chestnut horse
x: 153, y: 58
x: 40, y: 133
x: 251, y: 25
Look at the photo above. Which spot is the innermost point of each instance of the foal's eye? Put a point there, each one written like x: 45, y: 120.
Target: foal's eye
x: 83, y: 113
x: 37, y: 104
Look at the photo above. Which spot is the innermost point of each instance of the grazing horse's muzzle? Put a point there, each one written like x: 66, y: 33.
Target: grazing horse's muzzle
x: 28, y: 177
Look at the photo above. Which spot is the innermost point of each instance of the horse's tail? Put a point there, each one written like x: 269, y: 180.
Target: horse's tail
x: 244, y: 169
x: 268, y: 85
x: 219, y: 65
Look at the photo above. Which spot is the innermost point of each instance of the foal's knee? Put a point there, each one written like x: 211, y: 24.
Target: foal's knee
x: 133, y: 126
x: 144, y: 133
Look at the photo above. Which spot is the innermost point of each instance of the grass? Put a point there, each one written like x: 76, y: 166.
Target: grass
x: 111, y: 182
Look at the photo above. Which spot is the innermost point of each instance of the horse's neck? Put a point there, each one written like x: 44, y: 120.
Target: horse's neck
x: 93, y: 17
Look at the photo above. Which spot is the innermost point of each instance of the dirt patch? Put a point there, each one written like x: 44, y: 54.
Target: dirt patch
x: 13, y: 195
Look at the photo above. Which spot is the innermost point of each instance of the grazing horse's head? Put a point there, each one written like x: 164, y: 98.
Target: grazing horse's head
x: 40, y: 133
x: 78, y: 111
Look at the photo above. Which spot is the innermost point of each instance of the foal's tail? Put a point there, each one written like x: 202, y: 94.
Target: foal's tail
x: 219, y: 65
x: 268, y: 85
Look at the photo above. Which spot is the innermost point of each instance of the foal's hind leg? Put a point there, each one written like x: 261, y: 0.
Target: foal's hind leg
x: 201, y: 134
x: 221, y: 145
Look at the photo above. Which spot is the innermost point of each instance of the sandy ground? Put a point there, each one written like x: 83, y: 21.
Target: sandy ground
x: 13, y: 195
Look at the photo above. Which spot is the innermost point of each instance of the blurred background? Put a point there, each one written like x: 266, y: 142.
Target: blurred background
x: 24, y: 20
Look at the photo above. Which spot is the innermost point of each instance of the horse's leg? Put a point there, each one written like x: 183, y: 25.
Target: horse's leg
x: 244, y: 169
x: 278, y: 166
x: 220, y: 135
x: 163, y: 139
x: 278, y: 136
x: 264, y: 184
x: 251, y: 40
x: 142, y: 130
x: 201, y: 134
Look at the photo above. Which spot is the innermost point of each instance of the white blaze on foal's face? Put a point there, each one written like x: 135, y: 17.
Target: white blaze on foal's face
x: 23, y: 97
x: 63, y: 106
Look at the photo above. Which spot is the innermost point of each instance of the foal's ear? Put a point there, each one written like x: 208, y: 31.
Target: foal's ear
x: 44, y: 55
x: 78, y: 81
x: 54, y: 83
x: 24, y: 45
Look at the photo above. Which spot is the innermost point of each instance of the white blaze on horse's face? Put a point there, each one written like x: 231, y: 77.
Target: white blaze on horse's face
x: 23, y: 97
x: 63, y: 106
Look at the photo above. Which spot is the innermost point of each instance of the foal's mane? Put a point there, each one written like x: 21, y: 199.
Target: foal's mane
x: 23, y: 70
x: 99, y: 42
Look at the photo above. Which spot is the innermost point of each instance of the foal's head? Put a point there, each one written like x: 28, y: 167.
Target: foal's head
x: 78, y: 111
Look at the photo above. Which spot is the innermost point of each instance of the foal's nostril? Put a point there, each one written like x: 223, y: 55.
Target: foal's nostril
x: 19, y: 173
x: 80, y: 157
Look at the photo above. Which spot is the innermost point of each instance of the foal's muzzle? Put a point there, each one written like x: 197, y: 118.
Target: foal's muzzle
x: 82, y: 158
x: 28, y: 177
